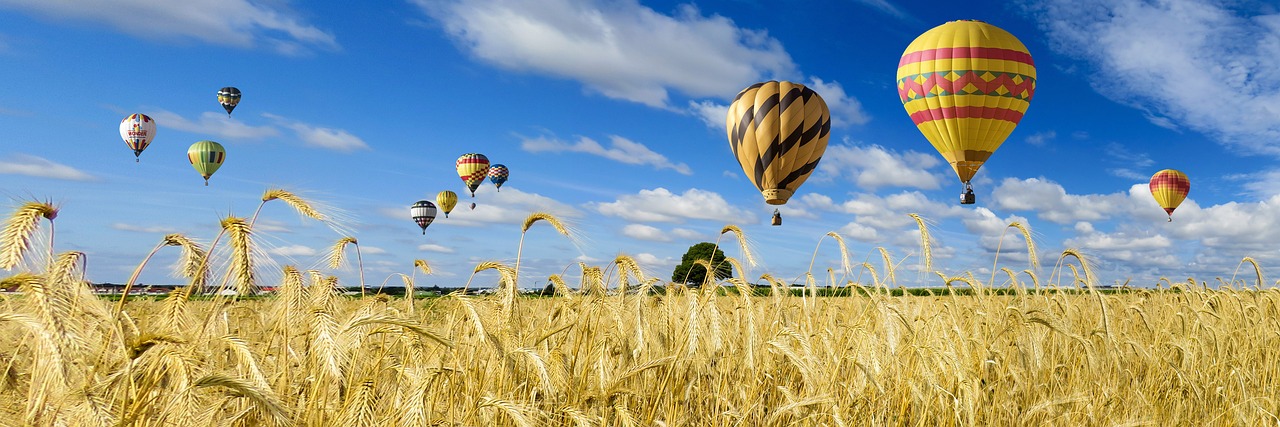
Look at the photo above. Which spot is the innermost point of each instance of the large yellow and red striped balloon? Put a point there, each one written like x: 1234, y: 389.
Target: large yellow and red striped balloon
x: 966, y: 85
x: 472, y: 168
x: 1169, y: 187
x: 778, y: 131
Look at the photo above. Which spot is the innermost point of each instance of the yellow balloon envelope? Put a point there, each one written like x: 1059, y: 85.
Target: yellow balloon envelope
x: 206, y: 157
x: 472, y: 168
x: 778, y: 131
x: 1169, y: 187
x: 447, y: 200
x: 966, y: 85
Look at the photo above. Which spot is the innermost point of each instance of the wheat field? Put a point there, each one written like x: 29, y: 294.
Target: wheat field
x: 607, y: 350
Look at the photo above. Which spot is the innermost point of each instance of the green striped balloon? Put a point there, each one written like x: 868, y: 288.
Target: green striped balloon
x: 206, y: 157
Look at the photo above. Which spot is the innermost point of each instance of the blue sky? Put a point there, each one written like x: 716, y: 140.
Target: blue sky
x: 610, y: 114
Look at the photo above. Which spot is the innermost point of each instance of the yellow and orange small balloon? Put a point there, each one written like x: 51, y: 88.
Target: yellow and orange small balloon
x: 1169, y: 187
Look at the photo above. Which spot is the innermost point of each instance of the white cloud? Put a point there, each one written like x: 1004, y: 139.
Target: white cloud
x: 845, y: 110
x: 620, y: 150
x: 214, y: 124
x: 888, y: 8
x: 432, y: 247
x: 292, y: 251
x: 371, y: 250
x: 1119, y: 242
x: 322, y: 137
x: 621, y: 49
x: 645, y: 232
x: 159, y: 229
x: 23, y: 164
x: 685, y: 233
x: 240, y: 23
x: 1232, y: 226
x: 270, y: 226
x: 1129, y: 161
x: 1039, y: 139
x: 989, y: 228
x: 713, y: 114
x: 1052, y: 203
x: 1195, y: 63
x: 859, y: 232
x: 661, y: 205
x: 891, y: 212
x: 1260, y: 185
x: 653, y: 263
x: 820, y: 202
x: 874, y: 166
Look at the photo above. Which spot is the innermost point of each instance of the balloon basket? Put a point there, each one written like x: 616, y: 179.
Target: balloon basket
x: 967, y: 197
x: 777, y: 218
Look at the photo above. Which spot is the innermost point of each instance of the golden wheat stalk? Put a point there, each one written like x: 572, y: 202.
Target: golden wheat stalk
x: 592, y: 280
x: 535, y: 217
x: 1257, y: 270
x: 263, y: 399
x: 48, y: 379
x: 743, y: 244
x: 241, y: 253
x: 844, y: 252
x: 336, y: 254
x: 562, y: 289
x: 627, y: 266
x: 334, y: 218
x: 889, y: 276
x: 15, y: 241
x: 1089, y: 278
x: 190, y: 264
x: 412, y: 285
x: 518, y: 414
x: 924, y: 242
x: 1031, y: 248
x: 1031, y: 244
x: 421, y: 265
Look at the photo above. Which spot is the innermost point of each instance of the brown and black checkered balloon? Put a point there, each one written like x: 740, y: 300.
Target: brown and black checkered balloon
x: 778, y: 131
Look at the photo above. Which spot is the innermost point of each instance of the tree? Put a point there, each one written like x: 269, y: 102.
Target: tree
x: 690, y: 274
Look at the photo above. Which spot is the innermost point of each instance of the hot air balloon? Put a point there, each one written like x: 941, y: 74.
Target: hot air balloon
x: 473, y: 206
x: 966, y: 85
x: 229, y: 97
x: 206, y: 157
x: 472, y: 168
x: 423, y: 213
x: 447, y: 200
x: 498, y: 174
x: 1169, y: 187
x: 778, y: 131
x: 137, y: 130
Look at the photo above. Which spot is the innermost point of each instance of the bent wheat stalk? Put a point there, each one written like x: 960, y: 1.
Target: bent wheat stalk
x: 524, y: 229
x: 336, y: 254
x: 20, y: 228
